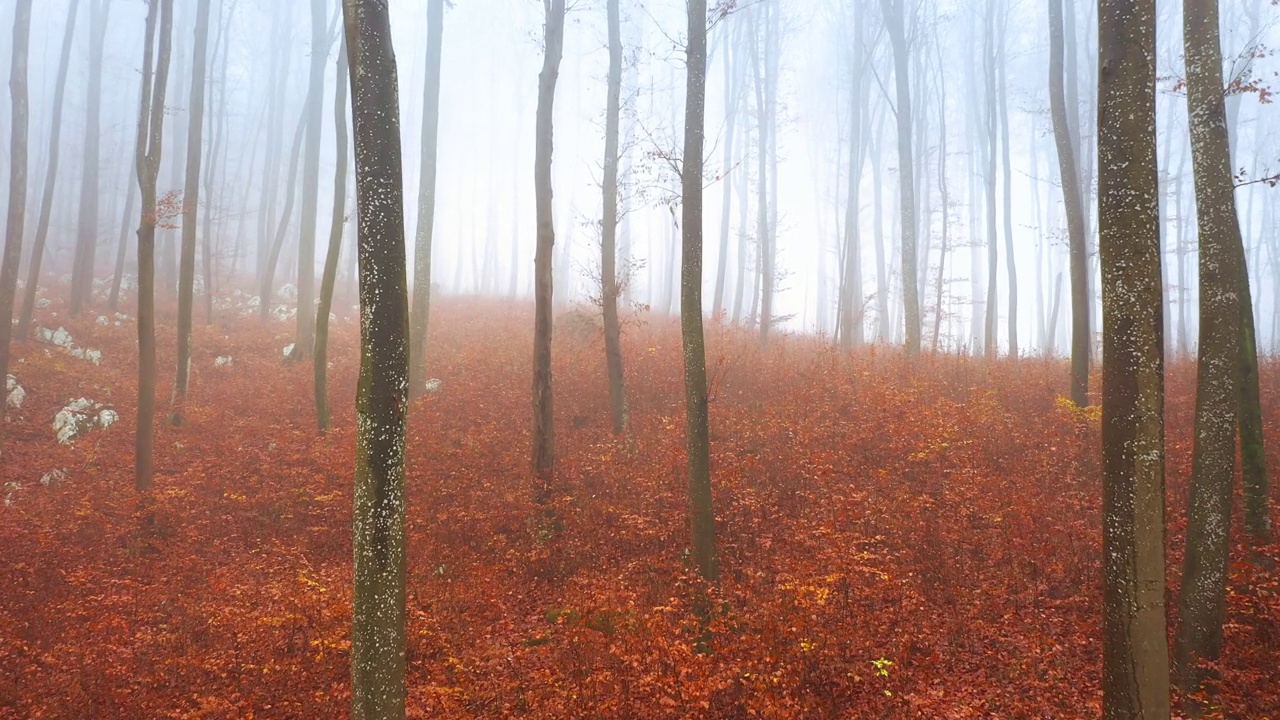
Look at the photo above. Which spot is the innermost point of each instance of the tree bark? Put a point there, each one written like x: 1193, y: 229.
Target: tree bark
x: 378, y: 613
x: 609, y: 225
x: 1075, y: 212
x: 51, y: 175
x: 1135, y: 674
x: 894, y: 22
x: 543, y: 415
x: 150, y: 144
x: 426, y: 201
x: 190, y: 211
x: 321, y: 358
x: 87, y: 232
x: 18, y: 130
x: 697, y: 433
x: 1202, y: 605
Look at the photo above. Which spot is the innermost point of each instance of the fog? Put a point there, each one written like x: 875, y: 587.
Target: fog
x: 800, y: 52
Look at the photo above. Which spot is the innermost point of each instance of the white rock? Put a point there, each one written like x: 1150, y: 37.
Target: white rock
x: 102, y: 320
x: 222, y: 361
x: 288, y: 291
x: 56, y: 475
x: 433, y: 385
x: 43, y: 303
x: 288, y: 349
x: 107, y: 418
x: 14, y: 394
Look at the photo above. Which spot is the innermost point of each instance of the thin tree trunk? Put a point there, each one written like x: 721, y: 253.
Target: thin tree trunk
x: 894, y: 21
x: 321, y: 357
x: 852, y: 302
x: 697, y: 435
x: 543, y: 415
x: 1011, y: 266
x: 18, y: 130
x: 426, y: 201
x: 609, y: 224
x: 190, y: 210
x: 991, y: 148
x: 149, y: 146
x: 87, y: 227
x: 51, y: 175
x: 1080, y: 298
x: 732, y: 98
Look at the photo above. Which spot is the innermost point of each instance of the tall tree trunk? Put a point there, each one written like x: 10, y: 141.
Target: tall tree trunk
x: 609, y: 224
x: 946, y: 199
x: 991, y: 147
x: 697, y: 434
x: 1135, y: 674
x: 321, y: 358
x: 87, y: 226
x: 51, y: 175
x: 122, y: 245
x: 267, y: 281
x: 764, y: 253
x: 1202, y: 605
x: 732, y: 98
x: 149, y: 146
x: 851, y: 294
x: 883, y: 322
x: 894, y: 24
x: 378, y: 614
x: 426, y: 201
x: 1075, y: 212
x: 190, y: 211
x: 543, y: 415
x: 306, y: 332
x: 18, y: 130
x: 1011, y: 266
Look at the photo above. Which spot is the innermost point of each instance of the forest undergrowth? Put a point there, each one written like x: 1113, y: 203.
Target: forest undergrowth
x: 898, y: 540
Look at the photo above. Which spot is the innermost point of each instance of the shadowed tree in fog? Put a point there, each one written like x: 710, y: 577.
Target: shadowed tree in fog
x: 894, y: 21
x: 51, y: 174
x: 149, y: 146
x: 87, y: 227
x: 320, y: 362
x: 17, y: 182
x: 609, y: 226
x: 426, y: 201
x: 1135, y: 651
x: 190, y: 211
x: 382, y: 397
x: 543, y: 417
x: 1071, y: 195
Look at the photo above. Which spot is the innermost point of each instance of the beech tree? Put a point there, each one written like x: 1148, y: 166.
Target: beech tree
x: 51, y: 175
x: 190, y: 211
x: 609, y: 226
x: 1071, y: 194
x: 1202, y: 603
x: 320, y: 361
x: 697, y: 428
x: 18, y: 131
x: 894, y: 22
x: 382, y: 397
x: 426, y: 200
x: 320, y: 41
x: 1135, y: 663
x: 87, y: 226
x: 150, y: 143
x: 543, y: 417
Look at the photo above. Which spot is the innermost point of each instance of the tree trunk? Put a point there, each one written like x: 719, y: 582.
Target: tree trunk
x: 267, y: 281
x: 321, y: 358
x: 697, y: 433
x: 18, y: 130
x: 543, y: 426
x: 87, y: 232
x: 51, y: 175
x: 894, y: 22
x: 1011, y: 266
x: 426, y: 201
x: 150, y: 143
x: 378, y: 613
x: 1135, y: 674
x: 609, y: 224
x: 991, y: 118
x: 1202, y: 605
x: 852, y: 303
x: 306, y: 332
x: 1075, y: 212
x: 190, y: 211
x: 732, y: 98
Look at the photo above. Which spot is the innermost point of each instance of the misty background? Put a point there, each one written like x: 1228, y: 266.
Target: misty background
x: 782, y: 65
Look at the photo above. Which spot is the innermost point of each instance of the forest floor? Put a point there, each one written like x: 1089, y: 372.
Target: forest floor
x: 897, y: 540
